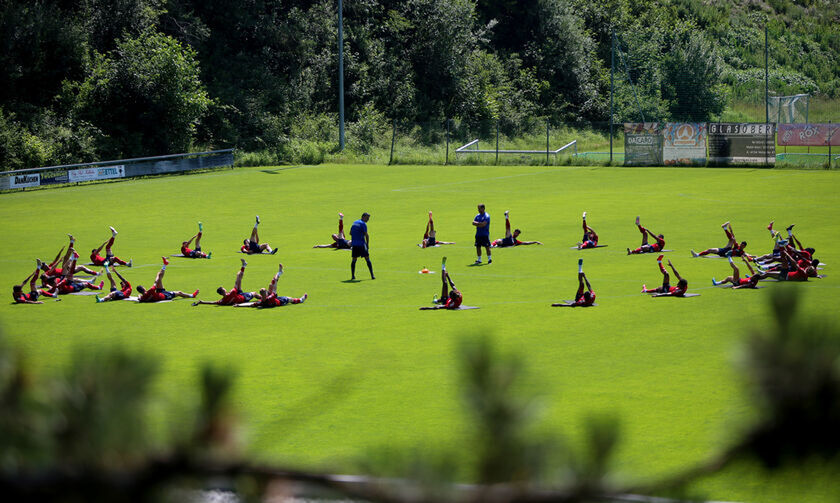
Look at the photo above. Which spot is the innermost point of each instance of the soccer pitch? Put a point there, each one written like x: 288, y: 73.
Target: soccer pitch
x: 358, y: 366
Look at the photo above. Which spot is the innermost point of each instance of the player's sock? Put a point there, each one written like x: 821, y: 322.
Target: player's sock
x: 113, y: 232
x: 443, y: 263
x: 580, y: 265
x: 200, y: 227
x: 584, y: 215
x: 243, y: 263
x: 98, y: 299
x: 507, y: 212
x: 280, y: 269
x: 724, y: 225
x: 715, y: 283
x: 38, y: 262
x: 106, y: 267
x: 195, y: 294
x: 478, y: 260
x: 258, y: 221
x: 101, y: 284
x: 694, y: 254
x: 72, y: 239
x: 165, y: 262
x: 644, y: 288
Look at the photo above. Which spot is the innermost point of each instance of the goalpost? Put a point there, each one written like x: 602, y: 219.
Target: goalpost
x: 788, y: 109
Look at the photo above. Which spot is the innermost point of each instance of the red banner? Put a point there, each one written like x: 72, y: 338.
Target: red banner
x: 809, y: 135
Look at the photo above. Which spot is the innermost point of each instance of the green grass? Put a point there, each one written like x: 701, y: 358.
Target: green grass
x: 359, y: 367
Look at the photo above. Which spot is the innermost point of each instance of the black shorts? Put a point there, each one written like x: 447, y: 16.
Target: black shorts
x: 247, y: 296
x: 33, y: 295
x: 430, y: 241
x: 666, y: 287
x: 167, y: 295
x: 482, y: 241
x: 118, y: 294
x: 343, y: 244
x: 723, y: 251
x: 360, y: 251
x: 253, y: 247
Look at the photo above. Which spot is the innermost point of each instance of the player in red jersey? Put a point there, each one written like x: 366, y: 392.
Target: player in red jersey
x: 666, y: 288
x: 52, y: 271
x: 590, y: 238
x: 510, y: 238
x: 109, y: 257
x: 158, y: 293
x: 583, y: 298
x: 233, y: 296
x: 197, y: 253
x: 450, y: 296
x: 732, y: 246
x: 736, y: 280
x: 68, y: 284
x: 791, y: 270
x: 339, y: 241
x: 656, y: 247
x: 252, y: 245
x: 430, y: 236
x: 122, y: 293
x: 269, y: 297
x: 32, y: 297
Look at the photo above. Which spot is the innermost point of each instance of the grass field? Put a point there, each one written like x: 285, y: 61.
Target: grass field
x: 358, y: 366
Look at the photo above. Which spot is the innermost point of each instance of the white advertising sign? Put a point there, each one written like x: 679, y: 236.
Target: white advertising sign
x: 87, y: 174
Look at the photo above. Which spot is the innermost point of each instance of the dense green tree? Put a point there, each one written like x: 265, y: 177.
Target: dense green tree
x: 145, y: 96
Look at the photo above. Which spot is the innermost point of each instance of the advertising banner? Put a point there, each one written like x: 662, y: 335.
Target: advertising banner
x: 809, y: 135
x: 99, y: 173
x: 642, y: 144
x: 684, y: 143
x: 742, y: 143
x: 23, y: 181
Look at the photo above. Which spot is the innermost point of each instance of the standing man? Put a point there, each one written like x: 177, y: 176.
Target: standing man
x: 481, y: 222
x: 360, y: 243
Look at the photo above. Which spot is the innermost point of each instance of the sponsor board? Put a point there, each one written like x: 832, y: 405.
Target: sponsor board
x: 742, y: 143
x: 23, y: 181
x: 98, y: 173
x: 684, y: 143
x: 642, y: 144
x: 809, y: 135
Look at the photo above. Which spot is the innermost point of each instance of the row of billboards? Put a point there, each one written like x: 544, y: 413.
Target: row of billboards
x: 700, y: 143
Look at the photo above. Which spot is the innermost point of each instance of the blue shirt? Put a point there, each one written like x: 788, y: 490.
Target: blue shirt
x: 357, y: 233
x: 482, y: 231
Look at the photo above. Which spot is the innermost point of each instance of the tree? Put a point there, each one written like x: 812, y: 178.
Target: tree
x: 145, y: 96
x: 692, y: 76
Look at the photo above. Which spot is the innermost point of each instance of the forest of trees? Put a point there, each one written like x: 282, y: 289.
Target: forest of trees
x: 87, y: 80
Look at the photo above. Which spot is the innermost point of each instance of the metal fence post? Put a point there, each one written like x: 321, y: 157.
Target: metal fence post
x: 830, y: 134
x: 546, y: 141
x: 446, y: 161
x: 497, y: 142
x: 393, y: 137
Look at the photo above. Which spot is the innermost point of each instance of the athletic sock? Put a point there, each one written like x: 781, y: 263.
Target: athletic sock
x: 715, y: 283
x: 113, y: 232
x: 200, y: 228
x: 98, y: 299
x: 580, y: 265
x: 195, y: 294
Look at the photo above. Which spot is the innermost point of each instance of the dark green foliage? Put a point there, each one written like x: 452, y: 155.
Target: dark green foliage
x: 145, y: 96
x: 106, y: 74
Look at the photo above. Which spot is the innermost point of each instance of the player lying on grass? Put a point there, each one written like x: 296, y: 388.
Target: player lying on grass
x: 252, y: 244
x: 582, y: 298
x: 68, y: 284
x: 339, y: 241
x: 122, y: 293
x: 196, y: 253
x: 235, y: 295
x: 590, y: 238
x: 430, y: 236
x: 52, y: 271
x: 109, y: 257
x: 732, y: 246
x: 450, y: 296
x: 269, y: 298
x: 157, y: 292
x: 656, y: 247
x: 32, y: 297
x: 791, y: 269
x: 666, y: 288
x: 510, y: 239
x: 793, y: 246
x: 736, y: 280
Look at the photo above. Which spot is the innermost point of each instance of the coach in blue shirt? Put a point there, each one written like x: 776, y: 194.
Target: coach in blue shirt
x: 482, y: 234
x: 360, y: 243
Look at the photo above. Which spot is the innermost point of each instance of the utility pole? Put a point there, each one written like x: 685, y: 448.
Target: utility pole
x: 340, y: 76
